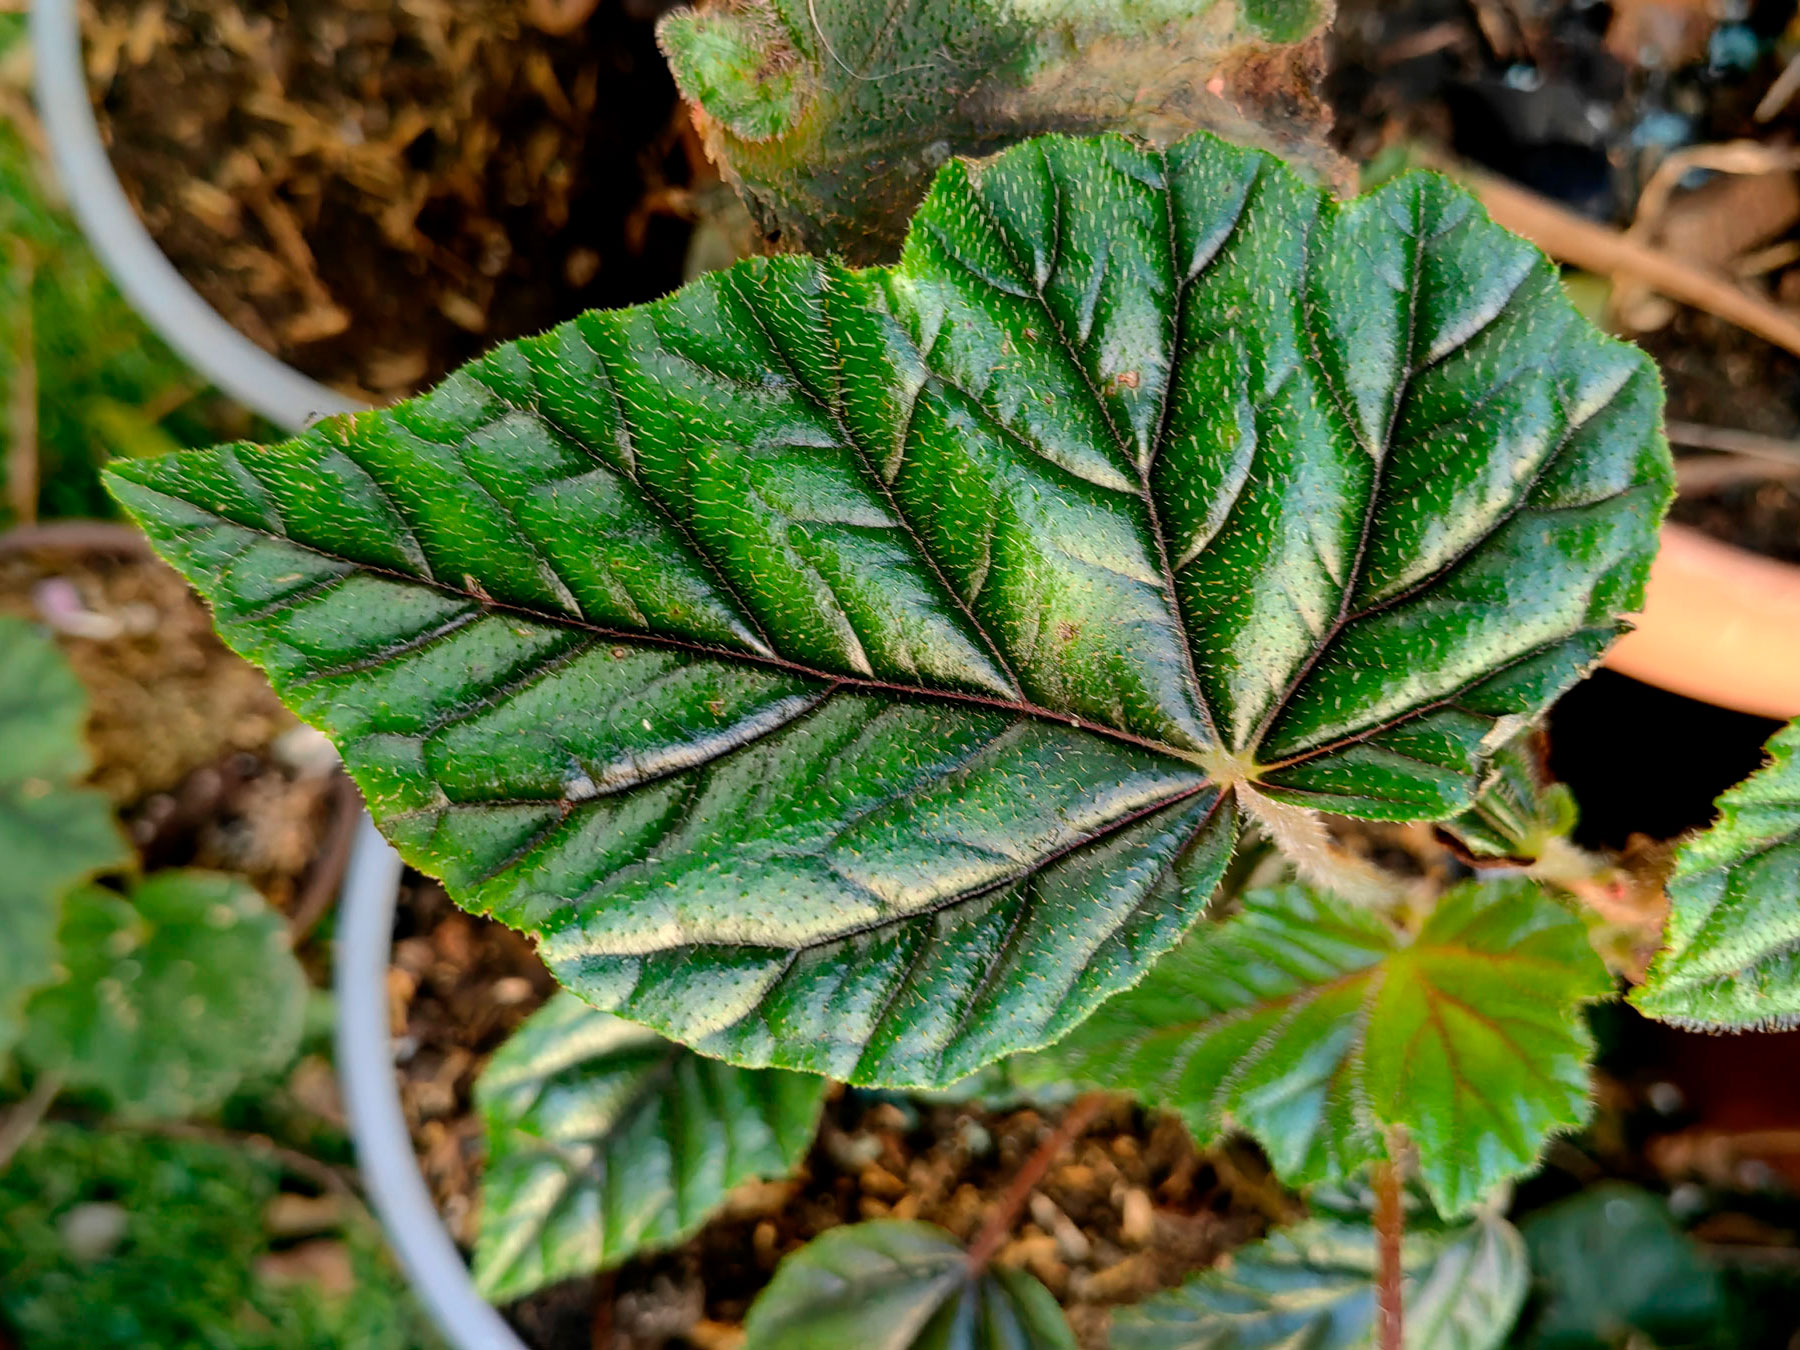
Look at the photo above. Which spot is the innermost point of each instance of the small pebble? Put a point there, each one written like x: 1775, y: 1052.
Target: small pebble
x: 1137, y: 1217
x: 763, y: 1244
x: 850, y: 1152
x: 1135, y: 1275
x: 877, y: 1181
x: 974, y: 1138
x: 709, y: 1335
x: 1071, y: 1242
x: 92, y: 1231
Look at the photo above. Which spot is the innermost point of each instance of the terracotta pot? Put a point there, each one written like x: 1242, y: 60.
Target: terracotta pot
x: 1720, y: 624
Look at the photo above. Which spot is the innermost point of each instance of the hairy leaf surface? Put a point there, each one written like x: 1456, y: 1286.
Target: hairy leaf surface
x: 604, y: 1140
x: 854, y: 671
x: 53, y: 833
x: 1313, y: 1286
x: 1731, y: 954
x: 173, y: 996
x: 899, y: 1285
x: 1310, y: 1023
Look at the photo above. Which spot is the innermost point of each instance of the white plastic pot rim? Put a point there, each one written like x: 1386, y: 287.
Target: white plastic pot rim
x: 137, y: 266
x: 384, y: 1151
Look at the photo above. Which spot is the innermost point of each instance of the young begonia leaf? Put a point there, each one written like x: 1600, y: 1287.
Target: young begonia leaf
x: 900, y: 1285
x: 174, y: 994
x: 1521, y: 813
x: 1731, y: 958
x: 53, y: 833
x: 859, y: 671
x: 1312, y: 1024
x: 1313, y: 1286
x: 604, y: 1140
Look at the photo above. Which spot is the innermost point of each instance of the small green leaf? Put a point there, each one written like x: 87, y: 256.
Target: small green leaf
x: 1311, y: 1024
x: 898, y: 1285
x: 1521, y: 812
x: 605, y: 1140
x: 1312, y: 1287
x: 172, y: 995
x: 53, y: 833
x: 1731, y: 954
x: 857, y: 671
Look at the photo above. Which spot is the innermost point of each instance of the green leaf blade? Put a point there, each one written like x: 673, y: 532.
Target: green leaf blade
x: 172, y: 996
x: 53, y: 833
x: 903, y: 1286
x: 1308, y: 1023
x: 797, y: 656
x: 1314, y: 1285
x: 605, y: 1140
x: 1731, y: 955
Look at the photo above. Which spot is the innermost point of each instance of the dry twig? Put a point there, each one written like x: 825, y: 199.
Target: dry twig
x: 1570, y: 238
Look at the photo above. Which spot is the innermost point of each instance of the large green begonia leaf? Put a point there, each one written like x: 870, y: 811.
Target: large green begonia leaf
x: 858, y: 671
x: 1731, y: 955
x: 53, y: 833
x: 173, y: 996
x: 1312, y: 1024
x: 900, y: 1285
x: 1312, y: 1287
x: 604, y: 1139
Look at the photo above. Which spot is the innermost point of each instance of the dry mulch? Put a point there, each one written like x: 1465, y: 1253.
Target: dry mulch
x: 378, y: 191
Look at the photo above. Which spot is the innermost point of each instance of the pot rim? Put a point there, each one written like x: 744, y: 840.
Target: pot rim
x: 384, y: 1150
x: 159, y: 293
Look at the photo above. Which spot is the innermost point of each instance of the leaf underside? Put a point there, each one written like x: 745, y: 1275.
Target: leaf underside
x: 1731, y: 955
x: 173, y: 996
x: 848, y: 670
x: 603, y: 1140
x: 1306, y: 1021
x: 1313, y: 1286
x: 900, y: 1285
x: 53, y: 833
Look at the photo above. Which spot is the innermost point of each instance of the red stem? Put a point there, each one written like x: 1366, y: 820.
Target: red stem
x: 1390, y: 1225
x: 1005, y: 1212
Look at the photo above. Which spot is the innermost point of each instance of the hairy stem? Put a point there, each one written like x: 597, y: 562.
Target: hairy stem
x: 1004, y: 1214
x: 1301, y: 836
x: 1605, y: 887
x: 1390, y: 1226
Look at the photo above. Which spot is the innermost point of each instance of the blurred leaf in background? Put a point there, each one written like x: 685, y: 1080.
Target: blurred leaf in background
x: 82, y: 378
x: 1611, y: 1268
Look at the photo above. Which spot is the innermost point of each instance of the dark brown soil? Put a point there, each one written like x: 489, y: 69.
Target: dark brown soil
x: 1133, y: 1207
x: 1718, y: 375
x: 378, y: 191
